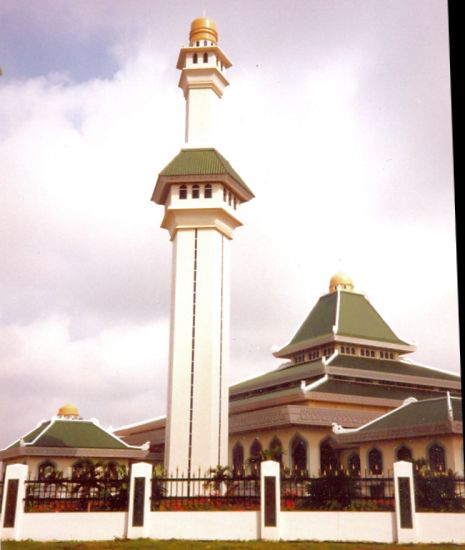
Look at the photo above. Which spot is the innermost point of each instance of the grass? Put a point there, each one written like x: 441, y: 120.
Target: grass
x: 145, y: 544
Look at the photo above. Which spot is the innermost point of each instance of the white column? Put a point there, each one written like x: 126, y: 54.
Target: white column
x: 404, y: 491
x: 270, y: 500
x: 197, y: 428
x: 201, y: 107
x: 15, y: 474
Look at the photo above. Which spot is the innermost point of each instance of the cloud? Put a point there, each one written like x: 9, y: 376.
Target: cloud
x: 347, y: 150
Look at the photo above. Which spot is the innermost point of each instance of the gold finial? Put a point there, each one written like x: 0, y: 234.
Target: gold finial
x: 341, y: 281
x: 68, y: 411
x: 203, y: 28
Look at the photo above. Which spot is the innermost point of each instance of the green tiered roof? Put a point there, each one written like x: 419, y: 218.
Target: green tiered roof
x: 202, y: 163
x: 70, y: 434
x: 346, y: 314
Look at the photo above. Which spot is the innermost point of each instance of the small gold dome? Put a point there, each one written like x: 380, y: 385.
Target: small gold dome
x: 340, y: 281
x: 68, y: 411
x: 203, y: 28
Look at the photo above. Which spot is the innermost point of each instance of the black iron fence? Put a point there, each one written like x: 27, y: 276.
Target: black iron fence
x: 435, y: 493
x: 440, y: 493
x: 205, y: 493
x: 67, y: 495
x: 337, y: 492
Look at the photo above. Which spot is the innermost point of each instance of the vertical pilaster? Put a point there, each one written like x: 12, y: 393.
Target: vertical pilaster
x: 270, y: 500
x: 138, y: 525
x: 12, y: 506
x: 404, y: 491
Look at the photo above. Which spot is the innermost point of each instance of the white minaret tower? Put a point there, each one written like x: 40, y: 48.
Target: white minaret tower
x: 201, y: 193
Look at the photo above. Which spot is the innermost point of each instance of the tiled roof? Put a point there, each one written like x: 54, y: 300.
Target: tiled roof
x: 201, y: 162
x: 71, y: 434
x: 393, y: 367
x: 411, y: 419
x: 429, y: 411
x: 280, y: 376
x: 345, y: 314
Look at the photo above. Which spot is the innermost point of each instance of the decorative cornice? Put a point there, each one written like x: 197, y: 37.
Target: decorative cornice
x: 295, y: 415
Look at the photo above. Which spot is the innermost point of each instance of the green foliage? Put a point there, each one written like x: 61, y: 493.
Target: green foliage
x: 436, y: 491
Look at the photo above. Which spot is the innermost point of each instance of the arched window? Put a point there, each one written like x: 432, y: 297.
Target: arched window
x: 195, y: 58
x: 404, y: 453
x: 83, y: 469
x: 354, y: 464
x: 298, y: 455
x: 46, y: 470
x: 375, y: 461
x: 195, y: 191
x: 328, y: 457
x: 183, y: 192
x: 276, y: 448
x: 205, y: 42
x: 238, y: 459
x: 205, y: 57
x: 437, y: 458
x: 208, y: 191
x: 255, y: 456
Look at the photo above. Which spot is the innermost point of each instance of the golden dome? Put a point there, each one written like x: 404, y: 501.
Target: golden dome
x: 340, y: 281
x: 203, y: 28
x: 68, y: 411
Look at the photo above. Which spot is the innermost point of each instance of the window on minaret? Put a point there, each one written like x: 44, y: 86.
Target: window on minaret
x: 208, y: 191
x: 224, y: 194
x: 183, y: 192
x: 205, y: 43
x: 195, y: 191
x: 195, y: 58
x: 205, y: 57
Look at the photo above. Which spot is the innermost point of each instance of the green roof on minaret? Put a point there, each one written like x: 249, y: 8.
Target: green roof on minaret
x: 200, y: 163
x: 347, y: 316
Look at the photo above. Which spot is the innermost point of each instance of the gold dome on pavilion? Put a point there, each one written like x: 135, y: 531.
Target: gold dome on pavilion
x: 340, y: 281
x: 68, y: 411
x: 203, y: 28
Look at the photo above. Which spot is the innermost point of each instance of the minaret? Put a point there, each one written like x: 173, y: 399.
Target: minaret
x: 201, y: 193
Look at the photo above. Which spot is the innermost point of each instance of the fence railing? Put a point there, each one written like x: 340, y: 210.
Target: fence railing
x: 67, y: 495
x: 440, y: 493
x: 337, y: 492
x: 205, y: 493
x: 444, y: 493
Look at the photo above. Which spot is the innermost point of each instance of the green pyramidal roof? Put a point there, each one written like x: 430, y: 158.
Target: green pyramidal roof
x: 200, y: 162
x: 71, y: 434
x: 345, y: 314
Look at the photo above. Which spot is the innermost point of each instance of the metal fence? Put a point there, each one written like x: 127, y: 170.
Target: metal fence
x: 337, y: 492
x: 440, y: 493
x: 205, y: 493
x: 68, y: 495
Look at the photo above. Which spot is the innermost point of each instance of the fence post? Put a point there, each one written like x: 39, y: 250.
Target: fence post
x: 12, y: 505
x: 140, y: 489
x: 404, y: 491
x: 270, y: 500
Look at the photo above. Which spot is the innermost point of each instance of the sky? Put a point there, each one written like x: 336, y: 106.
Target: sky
x: 337, y: 117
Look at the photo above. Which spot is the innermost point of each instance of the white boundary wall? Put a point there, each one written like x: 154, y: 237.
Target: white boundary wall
x: 339, y: 526
x: 73, y: 526
x: 225, y: 525
x: 205, y: 525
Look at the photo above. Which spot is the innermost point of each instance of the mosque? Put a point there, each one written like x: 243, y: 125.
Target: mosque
x: 345, y: 395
